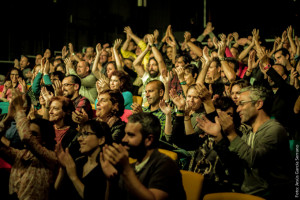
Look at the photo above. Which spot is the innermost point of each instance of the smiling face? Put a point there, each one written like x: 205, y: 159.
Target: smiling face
x: 246, y: 108
x: 114, y: 83
x: 56, y: 113
x: 235, y: 93
x: 14, y: 75
x: 153, y: 95
x: 153, y: 68
x: 193, y: 99
x: 88, y: 140
x: 104, y: 106
x: 134, y: 141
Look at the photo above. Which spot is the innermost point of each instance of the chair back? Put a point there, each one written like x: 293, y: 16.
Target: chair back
x: 169, y: 153
x: 192, y: 183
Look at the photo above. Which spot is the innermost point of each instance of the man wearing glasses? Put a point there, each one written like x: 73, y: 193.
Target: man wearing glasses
x: 264, y: 150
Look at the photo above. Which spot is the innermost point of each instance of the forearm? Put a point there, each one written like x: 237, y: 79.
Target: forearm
x: 228, y: 71
x: 188, y: 125
x: 202, y: 75
x: 245, y: 52
x: 79, y: 186
x: 195, y: 49
x: 168, y: 125
x: 36, y: 83
x: 125, y: 44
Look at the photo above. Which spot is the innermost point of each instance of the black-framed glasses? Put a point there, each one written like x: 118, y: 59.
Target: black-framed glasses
x: 242, y: 103
x: 85, y: 134
x: 68, y: 84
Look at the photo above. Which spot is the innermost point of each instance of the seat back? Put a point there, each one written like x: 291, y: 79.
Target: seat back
x: 137, y: 99
x: 231, y: 196
x: 192, y: 183
x: 169, y: 153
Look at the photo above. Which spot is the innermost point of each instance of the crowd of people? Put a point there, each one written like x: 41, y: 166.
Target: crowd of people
x: 228, y: 106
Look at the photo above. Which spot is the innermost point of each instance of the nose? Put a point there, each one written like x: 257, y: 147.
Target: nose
x: 125, y: 139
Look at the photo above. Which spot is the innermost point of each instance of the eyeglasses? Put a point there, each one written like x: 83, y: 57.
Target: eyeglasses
x: 68, y: 84
x: 242, y: 103
x: 85, y: 134
x: 14, y: 74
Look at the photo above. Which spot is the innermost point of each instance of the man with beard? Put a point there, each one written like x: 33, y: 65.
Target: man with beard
x: 282, y: 56
x: 265, y: 152
x: 153, y: 175
x: 70, y: 86
x: 156, y: 67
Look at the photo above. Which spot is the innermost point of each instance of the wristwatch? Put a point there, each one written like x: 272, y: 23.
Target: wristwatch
x: 267, y: 67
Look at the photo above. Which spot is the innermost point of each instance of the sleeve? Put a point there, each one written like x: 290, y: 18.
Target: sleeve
x: 127, y: 54
x: 264, y: 147
x: 36, y: 83
x: 47, y: 79
x: 32, y: 142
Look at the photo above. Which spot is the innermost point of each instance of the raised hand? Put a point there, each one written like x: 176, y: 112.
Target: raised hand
x: 208, y: 29
x: 165, y: 108
x: 57, y: 86
x: 117, y: 43
x: 204, y: 93
x: 64, y: 52
x: 179, y: 101
x: 128, y: 30
x: 98, y: 48
x: 187, y: 37
x: 213, y: 129
x: 46, y: 95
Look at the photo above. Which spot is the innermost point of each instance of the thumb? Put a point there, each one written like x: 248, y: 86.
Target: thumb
x: 217, y: 120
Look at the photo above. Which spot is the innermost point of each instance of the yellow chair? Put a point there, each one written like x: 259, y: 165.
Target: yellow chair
x: 192, y: 184
x: 169, y: 153
x: 231, y: 196
x: 137, y: 99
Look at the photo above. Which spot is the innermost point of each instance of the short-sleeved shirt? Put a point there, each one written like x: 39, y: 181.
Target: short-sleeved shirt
x: 160, y: 172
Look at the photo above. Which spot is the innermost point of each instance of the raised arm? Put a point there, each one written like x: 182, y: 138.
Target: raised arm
x: 290, y: 38
x: 206, y: 63
x: 117, y: 44
x: 157, y: 55
x: 137, y: 63
x: 187, y: 39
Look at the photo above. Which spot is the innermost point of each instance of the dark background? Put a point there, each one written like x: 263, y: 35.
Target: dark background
x: 30, y: 27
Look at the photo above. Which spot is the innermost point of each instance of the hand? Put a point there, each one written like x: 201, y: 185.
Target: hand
x: 179, y: 101
x: 235, y: 36
x: 98, y: 49
x: 71, y: 48
x: 46, y: 95
x: 22, y: 82
x: 251, y: 61
x: 136, y: 108
x: 206, y: 55
x: 221, y: 49
x: 204, y: 93
x: 80, y: 117
x: 128, y: 31
x: 47, y: 67
x: 64, y: 52
x: 229, y: 39
x: 208, y: 29
x: 170, y: 42
x: 17, y: 64
x: 187, y: 36
x: 32, y: 112
x: 223, y: 38
x: 167, y: 77
x: 166, y: 34
x: 57, y: 86
x: 117, y: 155
x: 180, y: 73
x: 108, y: 169
x: 150, y: 39
x: 226, y: 122
x: 165, y: 108
x: 7, y: 85
x: 213, y: 129
x: 70, y: 165
x: 117, y: 43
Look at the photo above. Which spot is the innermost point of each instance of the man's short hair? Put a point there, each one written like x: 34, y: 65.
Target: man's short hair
x: 284, y: 51
x: 260, y: 93
x: 192, y: 69
x: 75, y: 79
x: 150, y: 125
x: 60, y: 75
x: 160, y: 85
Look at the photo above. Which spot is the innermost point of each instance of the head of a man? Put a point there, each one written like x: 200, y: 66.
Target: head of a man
x: 282, y: 56
x: 280, y: 69
x: 103, y: 57
x: 214, y: 71
x: 153, y: 68
x: 24, y: 62
x: 193, y: 98
x: 142, y: 133
x: 190, y: 74
x: 83, y: 69
x: 253, y: 101
x: 154, y: 92
x: 70, y: 86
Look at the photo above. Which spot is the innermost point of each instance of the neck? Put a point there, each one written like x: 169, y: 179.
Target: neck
x: 148, y: 154
x: 154, y: 107
x: 60, y: 124
x: 261, y: 118
x: 93, y: 156
x: 76, y: 94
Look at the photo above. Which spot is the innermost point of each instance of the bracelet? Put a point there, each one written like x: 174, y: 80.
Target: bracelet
x: 222, y: 59
x: 183, y: 83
